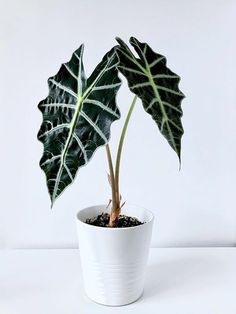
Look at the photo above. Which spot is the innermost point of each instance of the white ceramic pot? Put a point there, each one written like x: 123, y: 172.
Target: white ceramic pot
x: 114, y: 259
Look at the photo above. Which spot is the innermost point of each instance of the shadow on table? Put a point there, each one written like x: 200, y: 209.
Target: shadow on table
x: 177, y: 274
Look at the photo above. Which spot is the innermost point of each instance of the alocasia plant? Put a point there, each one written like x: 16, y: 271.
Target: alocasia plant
x: 78, y: 112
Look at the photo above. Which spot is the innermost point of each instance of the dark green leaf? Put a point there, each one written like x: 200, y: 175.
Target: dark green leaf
x: 150, y: 79
x: 77, y: 116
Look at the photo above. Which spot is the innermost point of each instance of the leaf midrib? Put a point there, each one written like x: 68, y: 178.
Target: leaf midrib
x: 78, y: 108
x: 148, y: 73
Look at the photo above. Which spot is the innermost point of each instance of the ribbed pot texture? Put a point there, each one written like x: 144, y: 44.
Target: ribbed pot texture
x: 114, y: 259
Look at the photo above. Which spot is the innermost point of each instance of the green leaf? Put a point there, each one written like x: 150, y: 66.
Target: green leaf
x: 77, y: 116
x: 151, y: 80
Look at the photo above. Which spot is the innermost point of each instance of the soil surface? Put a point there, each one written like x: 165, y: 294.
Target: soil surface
x: 123, y: 221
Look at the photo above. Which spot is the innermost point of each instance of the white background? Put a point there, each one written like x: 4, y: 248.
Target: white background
x: 193, y: 207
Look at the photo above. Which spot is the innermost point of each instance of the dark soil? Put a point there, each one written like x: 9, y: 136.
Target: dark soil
x: 123, y: 221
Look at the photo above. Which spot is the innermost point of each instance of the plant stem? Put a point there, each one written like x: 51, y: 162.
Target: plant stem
x: 112, y: 177
x: 119, y: 151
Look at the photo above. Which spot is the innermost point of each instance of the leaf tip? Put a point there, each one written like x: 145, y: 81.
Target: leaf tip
x: 52, y: 203
x: 79, y: 51
x: 118, y: 39
x: 120, y: 42
x: 180, y: 162
x: 52, y: 198
x: 82, y: 47
x: 132, y: 39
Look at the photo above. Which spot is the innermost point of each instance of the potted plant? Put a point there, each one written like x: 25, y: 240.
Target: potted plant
x: 77, y: 116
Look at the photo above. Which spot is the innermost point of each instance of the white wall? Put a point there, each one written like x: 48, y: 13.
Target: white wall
x: 193, y: 207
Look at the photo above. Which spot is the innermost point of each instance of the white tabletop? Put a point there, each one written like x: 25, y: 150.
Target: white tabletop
x: 179, y: 281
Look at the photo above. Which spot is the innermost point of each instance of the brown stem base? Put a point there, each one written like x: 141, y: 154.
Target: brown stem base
x: 114, y: 217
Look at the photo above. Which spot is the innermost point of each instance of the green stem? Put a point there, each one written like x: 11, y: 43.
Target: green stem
x: 112, y: 177
x: 119, y: 151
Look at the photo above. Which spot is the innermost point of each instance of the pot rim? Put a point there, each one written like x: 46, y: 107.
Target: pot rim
x: 150, y: 213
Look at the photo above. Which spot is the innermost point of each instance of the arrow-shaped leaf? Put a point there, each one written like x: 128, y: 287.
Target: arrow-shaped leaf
x: 77, y: 115
x: 149, y: 78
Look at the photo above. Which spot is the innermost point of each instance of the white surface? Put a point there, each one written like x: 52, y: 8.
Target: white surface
x: 186, y: 281
x: 193, y: 207
x: 114, y: 259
